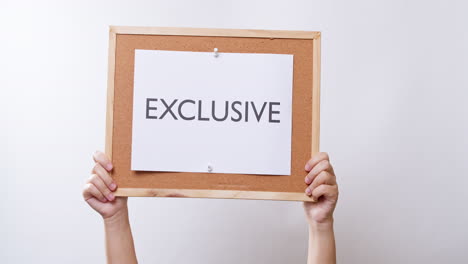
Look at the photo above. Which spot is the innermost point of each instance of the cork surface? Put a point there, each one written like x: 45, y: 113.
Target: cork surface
x: 302, y: 49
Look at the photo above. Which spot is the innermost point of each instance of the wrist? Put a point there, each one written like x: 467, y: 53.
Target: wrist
x: 118, y: 219
x: 321, y: 226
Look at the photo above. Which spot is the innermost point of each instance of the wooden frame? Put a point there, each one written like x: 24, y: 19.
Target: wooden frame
x: 270, y: 34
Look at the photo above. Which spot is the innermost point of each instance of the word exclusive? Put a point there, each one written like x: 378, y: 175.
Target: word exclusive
x: 235, y: 111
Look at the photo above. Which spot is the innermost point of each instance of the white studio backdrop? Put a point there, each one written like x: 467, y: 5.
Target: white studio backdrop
x: 394, y: 120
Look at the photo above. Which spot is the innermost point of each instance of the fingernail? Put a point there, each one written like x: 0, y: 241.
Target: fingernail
x: 307, y: 167
x: 110, y: 197
x: 109, y: 166
x: 308, y: 191
x: 104, y: 200
x: 113, y: 186
x: 307, y: 180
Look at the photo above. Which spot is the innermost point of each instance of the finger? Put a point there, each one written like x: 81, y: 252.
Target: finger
x: 316, y: 159
x: 101, y: 172
x: 101, y: 186
x: 90, y: 191
x: 102, y: 159
x: 323, y: 165
x: 328, y: 191
x: 323, y: 177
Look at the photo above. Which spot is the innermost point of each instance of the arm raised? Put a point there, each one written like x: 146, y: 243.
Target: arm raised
x: 323, y: 188
x: 98, y: 192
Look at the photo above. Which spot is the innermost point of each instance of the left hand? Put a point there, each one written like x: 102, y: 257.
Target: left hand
x: 323, y: 188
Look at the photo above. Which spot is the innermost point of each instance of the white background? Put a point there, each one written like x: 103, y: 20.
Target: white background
x: 394, y: 120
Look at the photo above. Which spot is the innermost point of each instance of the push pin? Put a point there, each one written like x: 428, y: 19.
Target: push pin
x: 216, y: 54
x: 210, y: 168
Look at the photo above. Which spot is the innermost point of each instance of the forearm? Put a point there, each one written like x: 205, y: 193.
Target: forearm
x: 119, y: 240
x: 321, y: 243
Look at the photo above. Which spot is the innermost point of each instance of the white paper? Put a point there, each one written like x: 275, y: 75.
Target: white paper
x: 246, y: 147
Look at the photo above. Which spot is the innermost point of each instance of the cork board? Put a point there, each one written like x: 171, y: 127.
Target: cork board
x: 305, y: 46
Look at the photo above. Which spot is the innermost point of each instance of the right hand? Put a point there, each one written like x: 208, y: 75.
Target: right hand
x: 99, y: 189
x: 322, y: 187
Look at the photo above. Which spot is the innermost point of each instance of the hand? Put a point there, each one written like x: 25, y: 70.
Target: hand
x: 322, y: 188
x: 99, y: 189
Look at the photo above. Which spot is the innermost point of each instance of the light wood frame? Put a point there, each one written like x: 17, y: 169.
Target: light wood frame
x: 226, y: 194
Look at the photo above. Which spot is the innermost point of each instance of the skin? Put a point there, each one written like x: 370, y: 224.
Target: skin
x: 323, y: 188
x: 321, y: 184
